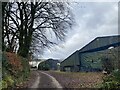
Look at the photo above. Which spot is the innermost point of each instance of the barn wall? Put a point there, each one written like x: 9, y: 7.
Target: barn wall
x: 71, y: 63
x: 91, y: 61
x: 97, y: 61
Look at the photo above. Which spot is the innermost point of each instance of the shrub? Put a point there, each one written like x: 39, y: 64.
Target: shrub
x: 116, y: 75
x: 26, y: 67
x: 15, y: 69
x: 8, y: 81
x: 112, y: 81
x: 4, y: 84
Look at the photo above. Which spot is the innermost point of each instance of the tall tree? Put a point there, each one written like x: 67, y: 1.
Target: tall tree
x: 3, y: 13
x: 31, y: 22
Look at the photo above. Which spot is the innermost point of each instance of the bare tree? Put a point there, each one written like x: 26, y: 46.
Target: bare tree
x: 30, y: 22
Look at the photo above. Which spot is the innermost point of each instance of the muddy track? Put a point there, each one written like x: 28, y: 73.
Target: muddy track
x: 44, y: 80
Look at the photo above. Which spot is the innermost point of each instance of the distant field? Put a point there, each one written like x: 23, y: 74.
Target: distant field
x: 78, y: 79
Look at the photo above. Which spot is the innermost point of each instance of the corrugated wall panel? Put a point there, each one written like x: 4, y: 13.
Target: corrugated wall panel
x: 72, y: 60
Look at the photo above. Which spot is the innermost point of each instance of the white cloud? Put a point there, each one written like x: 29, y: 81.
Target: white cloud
x: 93, y: 20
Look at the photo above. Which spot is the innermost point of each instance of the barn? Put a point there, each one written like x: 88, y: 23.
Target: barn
x: 101, y: 53
x: 49, y: 64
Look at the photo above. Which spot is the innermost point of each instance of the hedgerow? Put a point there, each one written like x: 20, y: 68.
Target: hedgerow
x: 15, y: 70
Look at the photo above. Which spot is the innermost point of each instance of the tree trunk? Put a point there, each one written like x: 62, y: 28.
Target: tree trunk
x: 24, y: 43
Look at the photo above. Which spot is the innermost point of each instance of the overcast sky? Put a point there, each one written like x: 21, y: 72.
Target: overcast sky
x: 93, y: 19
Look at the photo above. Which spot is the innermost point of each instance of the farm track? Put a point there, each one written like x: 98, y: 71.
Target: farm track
x: 53, y: 79
x: 41, y: 80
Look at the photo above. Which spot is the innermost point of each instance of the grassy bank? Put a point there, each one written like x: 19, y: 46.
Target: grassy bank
x: 15, y: 70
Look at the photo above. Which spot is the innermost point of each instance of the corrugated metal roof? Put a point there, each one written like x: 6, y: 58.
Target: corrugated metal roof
x: 100, y: 42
